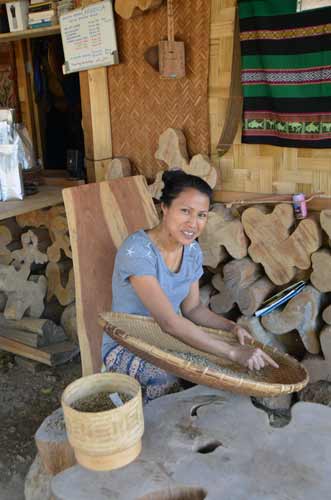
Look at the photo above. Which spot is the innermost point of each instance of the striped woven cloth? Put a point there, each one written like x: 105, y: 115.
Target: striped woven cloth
x: 286, y: 74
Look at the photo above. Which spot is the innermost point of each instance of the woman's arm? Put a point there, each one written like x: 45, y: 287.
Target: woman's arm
x: 155, y: 300
x: 194, y: 310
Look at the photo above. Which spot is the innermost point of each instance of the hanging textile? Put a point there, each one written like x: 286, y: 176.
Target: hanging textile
x: 286, y: 74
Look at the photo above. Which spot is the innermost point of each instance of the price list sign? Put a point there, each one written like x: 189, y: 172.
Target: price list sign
x: 89, y: 37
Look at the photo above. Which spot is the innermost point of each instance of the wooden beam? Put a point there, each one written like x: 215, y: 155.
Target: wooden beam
x: 96, y: 118
x: 317, y: 204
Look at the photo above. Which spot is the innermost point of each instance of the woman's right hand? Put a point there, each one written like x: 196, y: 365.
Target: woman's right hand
x: 253, y: 358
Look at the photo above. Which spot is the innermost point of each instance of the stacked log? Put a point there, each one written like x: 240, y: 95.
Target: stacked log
x: 36, y: 277
x: 271, y: 250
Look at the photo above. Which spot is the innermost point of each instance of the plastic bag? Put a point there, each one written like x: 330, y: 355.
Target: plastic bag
x: 11, y: 180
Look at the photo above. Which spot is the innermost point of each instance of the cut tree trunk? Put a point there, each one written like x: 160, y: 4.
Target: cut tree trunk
x: 274, y: 247
x: 52, y: 443
x: 301, y: 314
x: 52, y: 355
x: 34, y: 332
x: 241, y: 273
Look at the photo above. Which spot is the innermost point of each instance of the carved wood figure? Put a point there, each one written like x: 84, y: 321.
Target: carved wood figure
x: 274, y: 247
x: 132, y: 8
x: 321, y: 275
x: 172, y: 150
x: 222, y: 230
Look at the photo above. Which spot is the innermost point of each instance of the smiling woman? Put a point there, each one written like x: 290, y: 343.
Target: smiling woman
x: 157, y: 273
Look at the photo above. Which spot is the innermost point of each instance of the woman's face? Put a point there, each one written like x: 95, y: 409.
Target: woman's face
x: 187, y: 216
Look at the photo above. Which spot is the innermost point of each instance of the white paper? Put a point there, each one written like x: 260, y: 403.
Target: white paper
x: 89, y: 37
x: 116, y: 399
x: 312, y: 4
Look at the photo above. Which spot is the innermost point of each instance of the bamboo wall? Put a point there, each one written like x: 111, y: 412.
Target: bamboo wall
x: 248, y: 167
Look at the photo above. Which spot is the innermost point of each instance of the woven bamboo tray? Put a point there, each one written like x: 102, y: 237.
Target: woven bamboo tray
x: 142, y: 336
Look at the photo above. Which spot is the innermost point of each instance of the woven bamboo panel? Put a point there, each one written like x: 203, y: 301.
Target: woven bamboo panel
x: 250, y: 167
x: 142, y: 104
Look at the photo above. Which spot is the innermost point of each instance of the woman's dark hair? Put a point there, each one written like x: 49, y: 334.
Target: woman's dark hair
x: 176, y: 181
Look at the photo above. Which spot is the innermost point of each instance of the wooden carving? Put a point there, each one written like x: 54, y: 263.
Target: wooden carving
x: 5, y: 239
x: 222, y: 230
x: 24, y: 296
x: 325, y: 218
x: 274, y: 247
x: 172, y: 151
x: 55, y: 220
x: 119, y: 167
x: 301, y: 314
x: 241, y: 284
x: 321, y: 275
x: 132, y: 8
x: 29, y: 253
x: 57, y: 273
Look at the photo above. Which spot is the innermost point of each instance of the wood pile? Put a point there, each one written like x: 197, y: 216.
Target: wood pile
x: 251, y: 255
x: 37, y: 286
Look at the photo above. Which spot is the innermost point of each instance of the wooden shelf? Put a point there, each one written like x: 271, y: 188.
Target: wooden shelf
x: 31, y: 33
x: 47, y: 196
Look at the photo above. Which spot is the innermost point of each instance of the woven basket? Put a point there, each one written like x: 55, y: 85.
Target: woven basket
x: 142, y: 336
x: 109, y: 439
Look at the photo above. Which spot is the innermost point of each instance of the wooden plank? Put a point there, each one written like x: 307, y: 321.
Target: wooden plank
x: 96, y: 115
x: 33, y: 332
x: 30, y: 33
x: 24, y: 89
x: 100, y: 216
x: 52, y: 355
x: 46, y: 197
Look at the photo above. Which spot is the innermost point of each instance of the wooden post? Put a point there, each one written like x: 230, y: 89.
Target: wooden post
x: 96, y: 122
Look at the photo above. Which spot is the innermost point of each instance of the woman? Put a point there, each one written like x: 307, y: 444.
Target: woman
x: 157, y: 273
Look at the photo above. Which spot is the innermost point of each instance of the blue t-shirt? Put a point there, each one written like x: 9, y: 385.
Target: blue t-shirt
x: 139, y: 256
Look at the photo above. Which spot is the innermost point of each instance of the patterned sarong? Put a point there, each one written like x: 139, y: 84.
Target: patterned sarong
x: 286, y: 74
x: 154, y: 381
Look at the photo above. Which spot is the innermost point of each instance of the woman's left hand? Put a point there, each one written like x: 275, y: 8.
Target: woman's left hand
x: 241, y: 333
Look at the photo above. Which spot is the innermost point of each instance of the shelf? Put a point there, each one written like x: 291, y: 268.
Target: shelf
x: 47, y: 196
x: 31, y: 33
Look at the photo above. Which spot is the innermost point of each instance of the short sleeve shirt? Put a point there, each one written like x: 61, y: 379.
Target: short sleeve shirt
x: 139, y: 256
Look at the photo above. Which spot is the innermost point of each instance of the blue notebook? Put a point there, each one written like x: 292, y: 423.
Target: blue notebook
x: 280, y: 298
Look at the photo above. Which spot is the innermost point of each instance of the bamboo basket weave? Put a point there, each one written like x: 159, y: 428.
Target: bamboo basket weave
x: 110, y: 439
x: 142, y: 336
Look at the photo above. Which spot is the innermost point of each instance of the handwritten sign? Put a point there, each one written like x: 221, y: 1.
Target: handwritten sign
x: 89, y: 37
x: 312, y: 4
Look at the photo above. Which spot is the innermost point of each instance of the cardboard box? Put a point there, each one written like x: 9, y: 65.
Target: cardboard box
x: 17, y: 13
